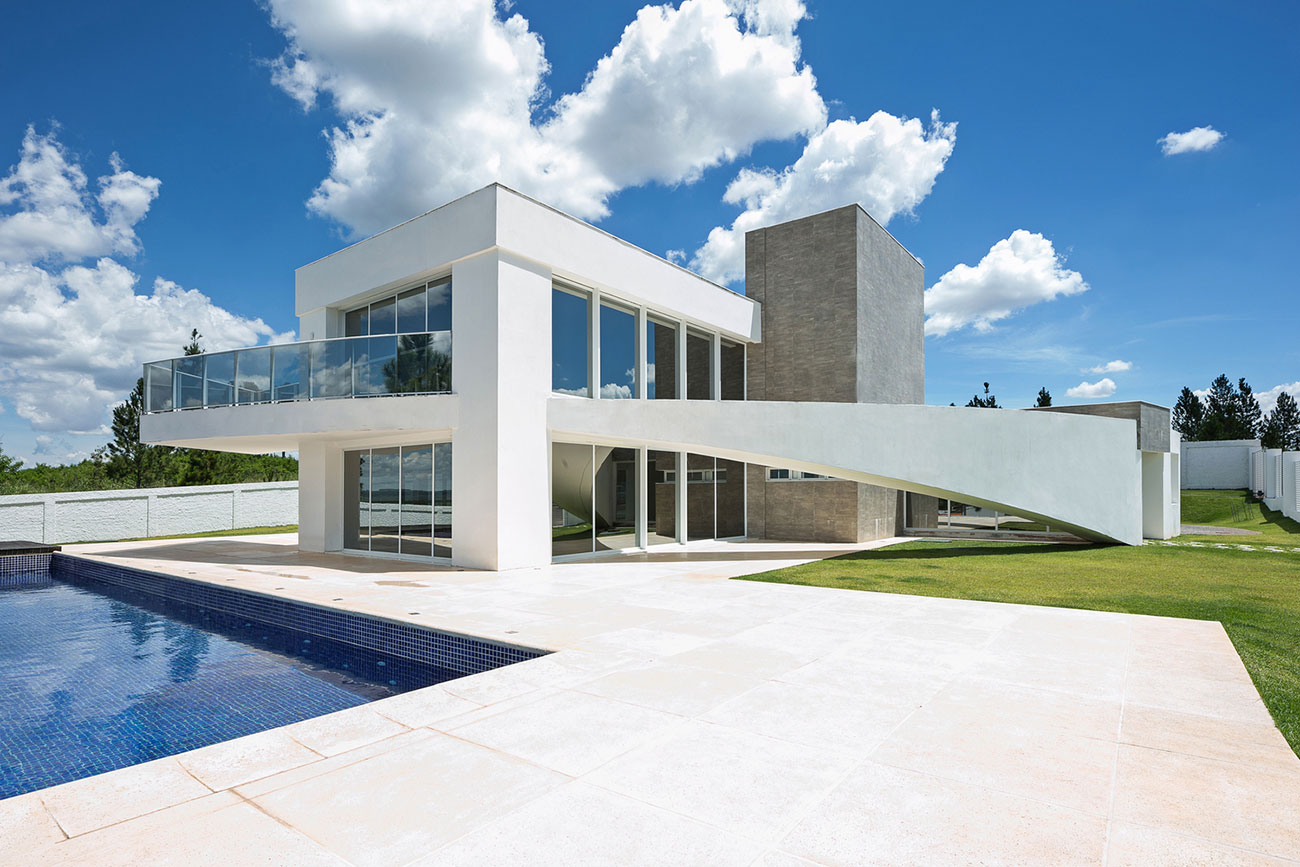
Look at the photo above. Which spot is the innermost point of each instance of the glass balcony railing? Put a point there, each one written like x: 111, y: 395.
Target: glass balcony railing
x: 338, y: 367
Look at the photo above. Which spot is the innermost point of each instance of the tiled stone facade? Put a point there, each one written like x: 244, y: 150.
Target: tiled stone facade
x: 843, y: 320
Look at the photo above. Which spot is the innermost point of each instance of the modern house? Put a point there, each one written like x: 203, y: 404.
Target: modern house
x: 496, y: 384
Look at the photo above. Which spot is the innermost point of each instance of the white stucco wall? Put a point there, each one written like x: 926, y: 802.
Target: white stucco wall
x: 1223, y: 465
x: 128, y: 514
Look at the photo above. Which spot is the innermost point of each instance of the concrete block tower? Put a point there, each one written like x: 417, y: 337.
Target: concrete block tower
x: 842, y: 321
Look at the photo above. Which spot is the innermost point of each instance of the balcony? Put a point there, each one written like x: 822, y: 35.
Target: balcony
x: 312, y: 370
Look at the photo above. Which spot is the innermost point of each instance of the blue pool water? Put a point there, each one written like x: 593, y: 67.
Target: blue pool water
x: 95, y: 677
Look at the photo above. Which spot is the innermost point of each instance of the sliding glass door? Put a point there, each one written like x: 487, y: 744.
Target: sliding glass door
x: 397, y: 500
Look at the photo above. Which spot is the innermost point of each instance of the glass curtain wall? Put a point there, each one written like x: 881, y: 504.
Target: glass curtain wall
x: 572, y: 530
x: 661, y: 359
x: 700, y: 502
x: 699, y: 366
x: 661, y: 499
x: 397, y: 500
x: 615, y: 498
x: 570, y: 343
x: 617, y: 353
x: 729, y: 496
x: 733, y: 371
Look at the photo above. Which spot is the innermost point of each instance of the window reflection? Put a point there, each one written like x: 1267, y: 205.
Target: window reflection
x: 615, y: 498
x: 189, y: 381
x: 699, y: 497
x: 699, y: 366
x: 370, y: 358
x: 661, y: 359
x: 289, y: 366
x: 661, y: 502
x: 570, y: 343
x: 331, y: 368
x: 158, y: 386
x: 571, y: 499
x: 411, y: 311
x: 417, y: 501
x: 385, y: 499
x: 383, y: 316
x: 398, y: 500
x: 617, y: 353
x: 733, y: 371
x: 253, y: 375
x: 440, y: 306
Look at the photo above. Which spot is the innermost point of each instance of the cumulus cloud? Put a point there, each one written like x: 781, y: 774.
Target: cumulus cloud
x: 1268, y: 399
x: 1115, y: 366
x: 440, y: 98
x: 73, y: 330
x: 885, y: 163
x: 1104, y: 387
x: 52, y: 215
x: 1198, y: 138
x: 1017, y: 272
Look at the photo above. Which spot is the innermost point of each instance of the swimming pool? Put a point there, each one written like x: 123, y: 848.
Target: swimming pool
x: 103, y: 667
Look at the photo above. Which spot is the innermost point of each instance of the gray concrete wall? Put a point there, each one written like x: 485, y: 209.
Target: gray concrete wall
x: 842, y: 321
x: 1222, y: 464
x: 1152, y: 419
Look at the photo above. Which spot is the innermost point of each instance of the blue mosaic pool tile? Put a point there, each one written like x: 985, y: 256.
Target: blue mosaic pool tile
x: 462, y: 653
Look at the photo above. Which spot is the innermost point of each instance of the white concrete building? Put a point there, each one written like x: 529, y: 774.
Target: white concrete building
x: 496, y: 384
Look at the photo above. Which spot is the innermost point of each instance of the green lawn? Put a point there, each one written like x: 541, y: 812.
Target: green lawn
x: 1254, y: 594
x: 1238, y: 509
x: 247, y: 531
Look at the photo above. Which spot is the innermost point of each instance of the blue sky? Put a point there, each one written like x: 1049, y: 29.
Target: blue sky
x: 1109, y: 249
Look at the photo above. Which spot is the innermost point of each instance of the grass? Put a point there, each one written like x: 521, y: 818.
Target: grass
x: 583, y: 529
x: 246, y: 531
x: 1254, y: 594
x: 1237, y: 509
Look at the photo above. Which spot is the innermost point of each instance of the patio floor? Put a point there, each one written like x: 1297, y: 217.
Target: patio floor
x: 688, y: 719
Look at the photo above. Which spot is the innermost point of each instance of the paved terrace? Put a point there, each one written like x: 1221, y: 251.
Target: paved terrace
x: 691, y: 719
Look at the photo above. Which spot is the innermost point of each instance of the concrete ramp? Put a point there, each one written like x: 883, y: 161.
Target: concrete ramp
x: 1078, y: 473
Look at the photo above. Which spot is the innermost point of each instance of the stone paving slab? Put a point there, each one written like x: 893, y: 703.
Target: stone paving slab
x: 687, y: 719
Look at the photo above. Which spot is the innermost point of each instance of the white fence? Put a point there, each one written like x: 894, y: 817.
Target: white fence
x: 101, y: 516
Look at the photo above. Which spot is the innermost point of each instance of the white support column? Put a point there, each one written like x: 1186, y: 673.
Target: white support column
x: 320, y: 497
x: 681, y: 361
x: 715, y: 367
x: 642, y: 385
x: 593, y: 335
x: 501, y: 498
x: 680, y: 522
x: 643, y: 491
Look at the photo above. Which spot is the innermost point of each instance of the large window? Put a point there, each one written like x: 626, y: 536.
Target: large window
x: 661, y: 500
x: 615, y: 498
x: 661, y: 359
x: 411, y: 311
x: 397, y: 500
x: 617, y: 353
x: 570, y: 342
x: 699, y: 366
x: 733, y: 371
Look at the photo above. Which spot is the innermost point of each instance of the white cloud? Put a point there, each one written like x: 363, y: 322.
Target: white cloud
x: 54, y: 216
x: 1115, y: 366
x: 440, y: 98
x: 1198, y: 138
x: 1017, y: 272
x: 885, y: 163
x: 73, y: 336
x: 1268, y: 399
x: 1093, y: 390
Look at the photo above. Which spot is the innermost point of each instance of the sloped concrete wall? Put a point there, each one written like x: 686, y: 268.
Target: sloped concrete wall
x: 102, y: 516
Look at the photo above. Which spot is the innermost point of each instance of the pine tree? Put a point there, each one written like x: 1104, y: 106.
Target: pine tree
x: 988, y: 400
x: 128, y: 457
x: 1044, y: 397
x: 1247, y: 416
x: 1220, y: 406
x: 1189, y: 415
x: 1282, y: 427
x: 193, y: 348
